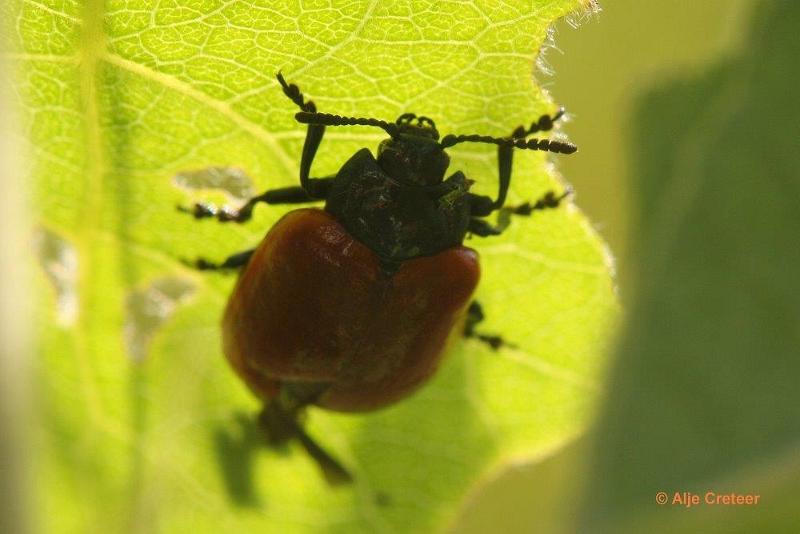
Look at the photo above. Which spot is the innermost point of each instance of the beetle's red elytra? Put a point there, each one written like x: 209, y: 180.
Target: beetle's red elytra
x: 336, y: 318
x: 352, y: 307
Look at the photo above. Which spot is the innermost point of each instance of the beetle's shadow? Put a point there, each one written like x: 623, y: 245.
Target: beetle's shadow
x: 237, y: 444
x: 240, y: 439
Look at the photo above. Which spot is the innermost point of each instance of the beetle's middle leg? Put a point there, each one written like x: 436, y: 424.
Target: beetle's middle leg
x: 234, y: 261
x: 474, y: 317
x: 482, y: 228
x: 547, y: 201
x: 285, y: 195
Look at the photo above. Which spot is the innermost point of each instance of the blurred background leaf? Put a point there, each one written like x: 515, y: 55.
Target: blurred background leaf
x: 130, y: 108
x: 704, y: 394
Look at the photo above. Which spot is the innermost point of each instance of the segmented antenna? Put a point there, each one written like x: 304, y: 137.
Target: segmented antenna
x: 548, y: 145
x: 294, y: 94
x: 327, y: 119
x: 544, y: 124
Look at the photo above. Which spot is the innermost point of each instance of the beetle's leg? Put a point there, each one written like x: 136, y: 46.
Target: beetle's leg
x: 332, y: 470
x: 474, y: 316
x: 482, y: 228
x: 547, y: 201
x: 279, y: 420
x: 234, y: 261
x: 314, y: 135
x: 285, y: 195
x: 310, y: 189
x: 482, y: 206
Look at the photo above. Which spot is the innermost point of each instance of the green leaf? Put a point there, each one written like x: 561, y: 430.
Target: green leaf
x: 704, y: 396
x: 127, y: 107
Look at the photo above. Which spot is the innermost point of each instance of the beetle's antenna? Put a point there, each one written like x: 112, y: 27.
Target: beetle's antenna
x: 548, y: 145
x: 544, y: 124
x: 327, y: 119
x: 293, y: 92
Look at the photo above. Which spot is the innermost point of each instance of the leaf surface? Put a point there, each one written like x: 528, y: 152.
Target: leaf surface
x: 144, y: 425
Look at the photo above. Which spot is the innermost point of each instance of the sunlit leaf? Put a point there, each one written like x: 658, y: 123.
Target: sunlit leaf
x: 144, y: 425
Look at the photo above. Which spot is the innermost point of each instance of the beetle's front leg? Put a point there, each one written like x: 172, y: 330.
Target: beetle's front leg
x: 314, y: 134
x: 309, y: 190
x: 505, y: 154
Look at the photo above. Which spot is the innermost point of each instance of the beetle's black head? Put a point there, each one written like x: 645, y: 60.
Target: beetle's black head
x: 413, y: 154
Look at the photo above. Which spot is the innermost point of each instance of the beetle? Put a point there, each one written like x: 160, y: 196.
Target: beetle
x: 352, y: 307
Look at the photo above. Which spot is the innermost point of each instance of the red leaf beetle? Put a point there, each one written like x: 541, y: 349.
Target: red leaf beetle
x: 352, y: 307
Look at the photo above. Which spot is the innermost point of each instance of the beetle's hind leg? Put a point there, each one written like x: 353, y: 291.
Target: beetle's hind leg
x: 474, y: 317
x: 282, y: 426
x: 280, y: 422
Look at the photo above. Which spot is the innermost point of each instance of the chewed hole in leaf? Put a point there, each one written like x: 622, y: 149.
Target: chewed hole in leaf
x: 232, y: 181
x: 149, y: 308
x: 59, y: 260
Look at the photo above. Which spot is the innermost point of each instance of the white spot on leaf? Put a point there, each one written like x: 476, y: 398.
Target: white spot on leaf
x: 147, y: 309
x: 233, y: 181
x: 59, y: 260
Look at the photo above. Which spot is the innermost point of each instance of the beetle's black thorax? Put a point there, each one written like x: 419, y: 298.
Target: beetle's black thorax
x: 398, y: 221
